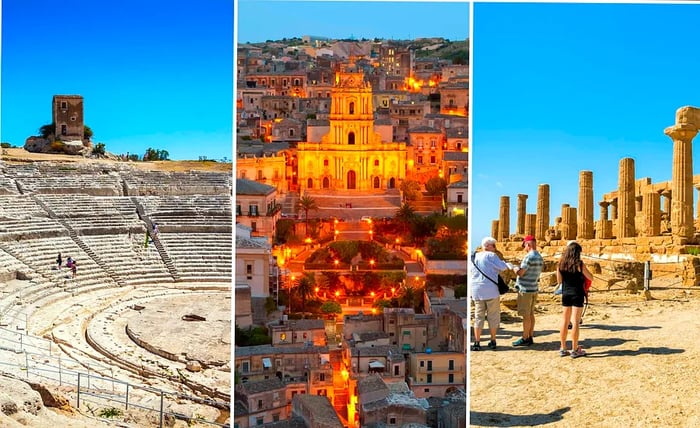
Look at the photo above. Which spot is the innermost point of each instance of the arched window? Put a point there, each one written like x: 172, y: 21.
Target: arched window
x: 326, y: 183
x: 351, y: 138
x: 352, y: 108
x: 392, y: 183
x: 310, y: 183
x: 291, y: 132
x: 376, y: 182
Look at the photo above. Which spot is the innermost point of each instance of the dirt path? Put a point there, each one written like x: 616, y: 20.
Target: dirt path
x: 641, y: 369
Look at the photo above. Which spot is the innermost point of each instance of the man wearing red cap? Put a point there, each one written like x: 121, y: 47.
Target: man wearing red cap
x: 527, y: 286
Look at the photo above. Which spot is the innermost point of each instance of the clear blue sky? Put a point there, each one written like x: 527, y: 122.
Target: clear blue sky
x: 261, y: 20
x: 152, y: 73
x: 560, y: 88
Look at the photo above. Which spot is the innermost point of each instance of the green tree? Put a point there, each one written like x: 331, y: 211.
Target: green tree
x: 307, y: 203
x: 461, y: 291
x: 436, y: 186
x: 305, y: 288
x: 331, y: 307
x: 382, y: 303
x: 155, y: 155
x: 411, y: 189
x: 404, y: 217
x: 87, y: 132
x: 98, y: 149
x: 48, y: 130
x: 409, y: 297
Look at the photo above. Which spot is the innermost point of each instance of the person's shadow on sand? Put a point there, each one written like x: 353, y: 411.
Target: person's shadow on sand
x: 492, y: 419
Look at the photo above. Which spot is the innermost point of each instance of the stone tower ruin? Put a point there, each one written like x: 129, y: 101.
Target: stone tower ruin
x: 68, y: 117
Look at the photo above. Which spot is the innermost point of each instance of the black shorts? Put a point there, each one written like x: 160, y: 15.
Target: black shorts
x: 572, y: 300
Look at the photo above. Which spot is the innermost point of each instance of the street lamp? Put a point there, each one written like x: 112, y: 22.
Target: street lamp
x: 335, y: 262
x: 370, y: 234
x: 371, y: 264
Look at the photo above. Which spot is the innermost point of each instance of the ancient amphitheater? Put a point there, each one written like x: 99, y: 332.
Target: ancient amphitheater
x: 145, y: 323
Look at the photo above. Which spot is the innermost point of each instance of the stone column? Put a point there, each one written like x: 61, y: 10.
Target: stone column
x: 652, y: 214
x: 568, y: 221
x: 613, y: 209
x: 585, y: 205
x: 625, y: 195
x: 520, y: 226
x: 494, y: 229
x: 682, y: 181
x: 530, y: 224
x: 638, y: 203
x: 542, y: 212
x: 667, y: 201
x: 504, y: 219
x: 604, y: 225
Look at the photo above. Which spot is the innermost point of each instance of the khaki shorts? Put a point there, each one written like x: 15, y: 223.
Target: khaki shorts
x: 526, y: 303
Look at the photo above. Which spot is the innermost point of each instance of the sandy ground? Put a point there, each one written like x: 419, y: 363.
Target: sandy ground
x: 641, y: 369
x: 19, y: 155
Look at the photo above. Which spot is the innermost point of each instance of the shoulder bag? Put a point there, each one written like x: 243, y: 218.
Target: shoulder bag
x: 501, y: 284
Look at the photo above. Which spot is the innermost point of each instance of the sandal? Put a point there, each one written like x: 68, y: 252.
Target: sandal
x: 578, y: 353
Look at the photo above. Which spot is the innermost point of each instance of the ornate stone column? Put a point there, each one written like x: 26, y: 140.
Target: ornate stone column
x: 652, y: 214
x: 625, y: 195
x: 520, y: 225
x: 604, y: 230
x: 585, y: 205
x: 542, y: 212
x: 504, y: 219
x: 530, y: 224
x: 682, y: 181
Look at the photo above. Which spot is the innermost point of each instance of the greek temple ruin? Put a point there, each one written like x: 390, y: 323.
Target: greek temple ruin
x: 640, y: 220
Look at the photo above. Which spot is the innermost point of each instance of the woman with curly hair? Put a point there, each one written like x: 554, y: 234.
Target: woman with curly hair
x: 572, y: 274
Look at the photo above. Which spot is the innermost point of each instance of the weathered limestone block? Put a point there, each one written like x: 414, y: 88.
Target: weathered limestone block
x: 194, y: 366
x: 548, y: 279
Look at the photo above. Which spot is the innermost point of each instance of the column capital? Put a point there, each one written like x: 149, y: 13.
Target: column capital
x: 682, y: 132
x: 604, y: 204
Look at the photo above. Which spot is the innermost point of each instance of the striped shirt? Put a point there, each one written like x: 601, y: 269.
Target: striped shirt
x: 532, y: 263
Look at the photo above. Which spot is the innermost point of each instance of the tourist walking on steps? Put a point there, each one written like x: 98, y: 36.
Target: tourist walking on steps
x: 484, y: 292
x: 571, y: 274
x: 527, y: 285
x: 74, y: 269
x: 59, y: 261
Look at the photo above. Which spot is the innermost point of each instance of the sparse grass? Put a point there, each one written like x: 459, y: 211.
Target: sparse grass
x: 110, y: 413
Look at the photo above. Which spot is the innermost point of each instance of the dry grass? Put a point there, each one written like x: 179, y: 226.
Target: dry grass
x: 18, y: 155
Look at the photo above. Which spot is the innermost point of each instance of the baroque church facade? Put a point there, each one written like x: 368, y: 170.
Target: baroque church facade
x: 352, y: 156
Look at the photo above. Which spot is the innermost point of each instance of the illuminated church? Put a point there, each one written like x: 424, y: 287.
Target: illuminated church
x: 356, y: 154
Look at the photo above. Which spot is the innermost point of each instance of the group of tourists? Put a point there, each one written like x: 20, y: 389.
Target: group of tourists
x: 571, y: 274
x: 70, y: 264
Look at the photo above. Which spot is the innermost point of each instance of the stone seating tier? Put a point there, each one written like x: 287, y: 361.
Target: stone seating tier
x: 197, y: 204
x: 31, y: 228
x: 199, y: 256
x: 89, y: 206
x: 19, y: 207
x: 75, y: 184
x: 129, y: 259
x: 8, y: 186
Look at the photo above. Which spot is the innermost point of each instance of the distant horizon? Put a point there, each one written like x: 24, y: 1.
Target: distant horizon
x: 352, y: 39
x: 361, y: 19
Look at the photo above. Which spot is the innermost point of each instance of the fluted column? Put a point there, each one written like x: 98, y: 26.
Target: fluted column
x: 504, y: 219
x: 585, y: 205
x: 625, y: 195
x: 604, y: 230
x: 530, y: 224
x: 542, y: 212
x: 667, y: 201
x: 494, y: 229
x: 520, y: 225
x: 682, y: 180
x: 652, y: 214
x: 568, y: 221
